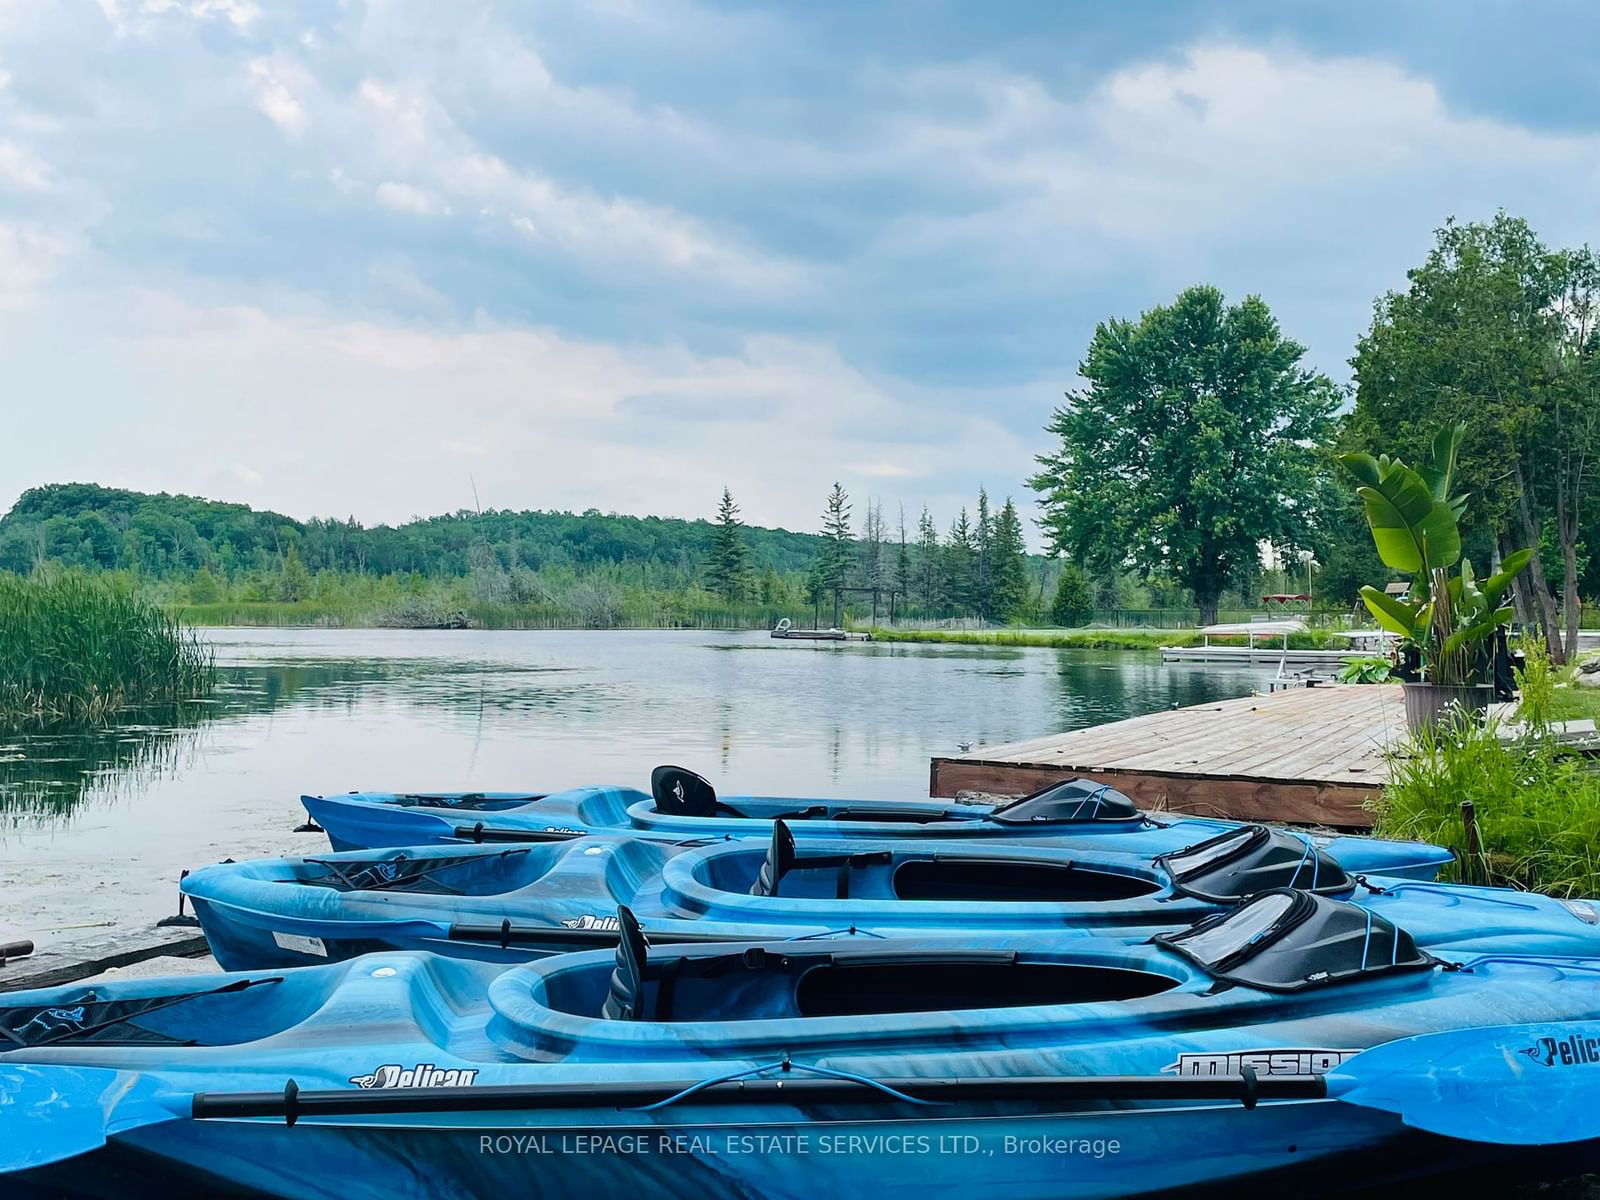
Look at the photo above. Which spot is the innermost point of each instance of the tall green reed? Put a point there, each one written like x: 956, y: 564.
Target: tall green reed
x: 77, y: 648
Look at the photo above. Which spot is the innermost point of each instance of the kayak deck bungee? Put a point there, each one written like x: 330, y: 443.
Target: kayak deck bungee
x: 1296, y: 1033
x: 510, y: 903
x: 682, y: 805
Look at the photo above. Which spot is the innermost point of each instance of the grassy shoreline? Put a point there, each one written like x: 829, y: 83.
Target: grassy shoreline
x: 1095, y: 639
x: 314, y: 614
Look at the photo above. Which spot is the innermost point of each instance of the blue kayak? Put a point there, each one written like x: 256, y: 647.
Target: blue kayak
x: 1076, y: 812
x: 512, y: 902
x: 1296, y: 1042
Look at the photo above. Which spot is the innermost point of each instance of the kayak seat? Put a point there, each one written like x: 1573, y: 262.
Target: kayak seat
x: 631, y: 996
x: 679, y: 792
x: 782, y: 858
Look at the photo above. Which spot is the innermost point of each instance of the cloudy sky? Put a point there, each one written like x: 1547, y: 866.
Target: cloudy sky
x: 356, y: 258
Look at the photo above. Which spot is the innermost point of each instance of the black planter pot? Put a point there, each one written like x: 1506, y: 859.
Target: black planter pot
x: 1428, y: 704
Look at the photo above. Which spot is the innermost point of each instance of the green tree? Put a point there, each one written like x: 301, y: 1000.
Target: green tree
x: 294, y: 581
x: 1475, y: 338
x: 771, y: 589
x: 929, y: 565
x: 728, y: 566
x: 958, y: 561
x: 983, y: 596
x: 1192, y: 444
x: 835, y: 558
x: 1008, y: 565
x: 204, y: 587
x: 1073, y: 605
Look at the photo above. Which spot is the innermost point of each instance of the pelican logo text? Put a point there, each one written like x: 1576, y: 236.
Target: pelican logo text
x: 1565, y: 1051
x: 588, y: 921
x: 393, y: 1075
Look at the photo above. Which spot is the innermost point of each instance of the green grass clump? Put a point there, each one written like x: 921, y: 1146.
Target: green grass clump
x: 1538, y: 808
x: 78, y: 648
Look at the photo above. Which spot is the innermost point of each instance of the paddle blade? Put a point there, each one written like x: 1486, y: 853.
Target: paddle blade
x: 1508, y: 1085
x: 53, y: 1113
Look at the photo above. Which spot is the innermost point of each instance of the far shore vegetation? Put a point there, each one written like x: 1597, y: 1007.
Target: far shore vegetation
x: 76, y: 648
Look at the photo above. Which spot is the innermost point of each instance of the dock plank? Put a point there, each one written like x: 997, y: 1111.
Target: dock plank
x: 1306, y: 755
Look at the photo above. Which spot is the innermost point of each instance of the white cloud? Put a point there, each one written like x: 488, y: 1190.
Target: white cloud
x: 406, y: 127
x: 29, y: 256
x: 537, y: 418
x: 1212, y: 143
x: 274, y: 98
x: 403, y: 197
x: 21, y: 169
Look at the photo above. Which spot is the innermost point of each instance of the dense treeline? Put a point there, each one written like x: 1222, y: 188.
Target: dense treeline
x: 535, y: 567
x: 161, y: 535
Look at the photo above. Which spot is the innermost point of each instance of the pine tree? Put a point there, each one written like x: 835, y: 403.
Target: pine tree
x: 834, y: 559
x: 1008, y: 565
x: 958, y: 556
x: 1073, y: 605
x: 983, y: 597
x: 928, y: 565
x: 728, y: 567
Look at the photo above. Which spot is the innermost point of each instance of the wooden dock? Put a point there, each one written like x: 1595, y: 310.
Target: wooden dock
x: 1260, y: 656
x: 1308, y: 756
x: 115, y: 950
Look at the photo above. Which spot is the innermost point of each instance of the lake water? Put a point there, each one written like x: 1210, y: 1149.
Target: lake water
x: 95, y: 828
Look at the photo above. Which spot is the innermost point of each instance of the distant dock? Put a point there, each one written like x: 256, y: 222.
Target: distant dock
x: 1306, y: 756
x: 821, y: 635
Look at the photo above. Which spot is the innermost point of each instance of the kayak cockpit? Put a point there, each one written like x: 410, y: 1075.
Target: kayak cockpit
x: 759, y: 983
x: 948, y: 994
x: 940, y: 876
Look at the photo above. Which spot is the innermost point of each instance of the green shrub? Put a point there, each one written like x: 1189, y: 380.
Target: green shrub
x: 1365, y: 670
x: 1538, y: 809
x: 1536, y: 681
x: 1073, y: 605
x: 78, y: 648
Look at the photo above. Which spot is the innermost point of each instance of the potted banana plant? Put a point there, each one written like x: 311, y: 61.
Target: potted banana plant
x: 1449, y: 616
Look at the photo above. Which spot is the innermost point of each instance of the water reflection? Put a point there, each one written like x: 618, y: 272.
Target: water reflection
x: 95, y: 826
